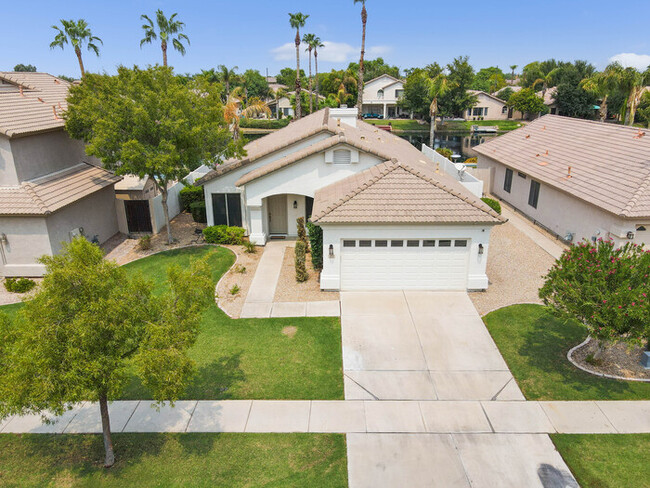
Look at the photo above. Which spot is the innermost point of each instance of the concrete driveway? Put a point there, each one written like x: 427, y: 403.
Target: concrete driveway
x: 413, y: 345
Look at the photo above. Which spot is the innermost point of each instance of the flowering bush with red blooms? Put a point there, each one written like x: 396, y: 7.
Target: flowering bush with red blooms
x: 604, y: 287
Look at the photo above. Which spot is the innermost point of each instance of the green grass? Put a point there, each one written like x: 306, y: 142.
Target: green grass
x: 503, y: 125
x: 250, y: 358
x: 400, y: 124
x: 534, y: 343
x: 174, y: 460
x: 606, y: 460
x: 11, y: 310
x: 264, y: 123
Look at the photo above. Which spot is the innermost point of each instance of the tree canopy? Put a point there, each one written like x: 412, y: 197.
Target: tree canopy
x: 489, y: 80
x: 457, y: 99
x: 372, y: 68
x: 527, y: 101
x: 28, y: 68
x: 287, y: 77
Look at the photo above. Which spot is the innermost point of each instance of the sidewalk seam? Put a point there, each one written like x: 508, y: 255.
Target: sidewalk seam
x: 131, y: 416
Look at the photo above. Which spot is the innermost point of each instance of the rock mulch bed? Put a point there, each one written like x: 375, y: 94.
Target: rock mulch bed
x: 289, y: 290
x: 7, y: 297
x: 241, y: 274
x: 615, y: 360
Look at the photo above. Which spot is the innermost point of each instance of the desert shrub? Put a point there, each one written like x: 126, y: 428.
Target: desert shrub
x: 144, y: 243
x: 301, y: 268
x: 191, y: 194
x: 605, y: 288
x: 492, y: 203
x: 234, y: 289
x: 19, y: 285
x: 250, y: 247
x: 222, y: 234
x: 316, y: 240
x: 446, y: 152
x: 198, y: 212
x: 240, y: 269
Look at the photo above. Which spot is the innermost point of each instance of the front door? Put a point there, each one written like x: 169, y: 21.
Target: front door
x: 277, y: 207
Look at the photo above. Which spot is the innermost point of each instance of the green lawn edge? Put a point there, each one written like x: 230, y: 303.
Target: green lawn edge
x: 534, y: 344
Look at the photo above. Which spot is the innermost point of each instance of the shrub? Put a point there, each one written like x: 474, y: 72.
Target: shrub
x: 301, y: 268
x: 234, y: 290
x: 240, y: 269
x: 316, y: 240
x: 302, y: 233
x: 198, y: 212
x: 471, y: 161
x: 222, y: 234
x: 263, y: 123
x: 604, y: 288
x: 144, y: 243
x: 191, y: 194
x: 19, y: 285
x: 250, y: 247
x: 494, y: 204
x: 446, y: 152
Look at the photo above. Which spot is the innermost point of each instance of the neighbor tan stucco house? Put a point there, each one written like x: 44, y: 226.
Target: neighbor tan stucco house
x: 487, y: 107
x: 380, y: 96
x: 580, y: 179
x: 50, y: 190
x: 283, y: 105
x: 391, y: 217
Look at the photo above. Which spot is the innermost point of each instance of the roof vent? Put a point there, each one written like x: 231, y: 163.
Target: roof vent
x: 569, y: 173
x: 342, y: 156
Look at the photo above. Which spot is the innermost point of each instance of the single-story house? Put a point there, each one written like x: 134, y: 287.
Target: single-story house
x: 391, y: 218
x: 580, y: 179
x: 489, y: 107
x: 380, y: 96
x: 283, y: 105
x: 50, y: 190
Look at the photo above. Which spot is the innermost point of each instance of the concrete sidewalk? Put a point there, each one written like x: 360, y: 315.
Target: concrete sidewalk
x: 369, y: 416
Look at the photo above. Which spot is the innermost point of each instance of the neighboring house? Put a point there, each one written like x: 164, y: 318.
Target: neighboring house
x: 487, y: 107
x: 50, y: 190
x: 580, y: 179
x: 380, y: 96
x: 549, y: 99
x: 285, y: 106
x: 391, y: 218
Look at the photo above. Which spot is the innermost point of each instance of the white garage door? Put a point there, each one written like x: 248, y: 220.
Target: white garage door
x: 404, y: 264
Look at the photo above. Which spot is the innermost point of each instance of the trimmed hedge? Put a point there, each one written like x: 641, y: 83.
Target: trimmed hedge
x: 198, y: 212
x: 263, y: 123
x: 494, y: 204
x: 316, y: 240
x: 222, y: 234
x: 301, y: 268
x: 19, y: 285
x: 189, y: 195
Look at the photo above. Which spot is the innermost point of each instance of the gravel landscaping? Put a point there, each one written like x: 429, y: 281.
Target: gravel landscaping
x: 618, y: 360
x: 241, y: 275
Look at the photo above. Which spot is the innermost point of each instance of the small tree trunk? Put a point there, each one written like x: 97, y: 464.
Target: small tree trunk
x: 317, y: 82
x: 81, y: 63
x: 432, y: 130
x: 109, y: 459
x: 163, y: 45
x: 603, y: 109
x: 311, y: 97
x: 298, y: 97
x: 364, y: 20
x: 163, y: 191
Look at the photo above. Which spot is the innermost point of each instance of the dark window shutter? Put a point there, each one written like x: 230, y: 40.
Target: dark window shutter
x: 234, y: 209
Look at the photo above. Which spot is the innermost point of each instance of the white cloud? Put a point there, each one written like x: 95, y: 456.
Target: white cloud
x: 332, y: 52
x: 638, y: 61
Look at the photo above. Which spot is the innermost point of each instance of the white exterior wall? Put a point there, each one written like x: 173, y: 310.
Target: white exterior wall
x: 495, y: 109
x: 374, y: 101
x: 173, y: 207
x: 559, y: 212
x: 8, y: 176
x: 27, y: 239
x: 333, y: 234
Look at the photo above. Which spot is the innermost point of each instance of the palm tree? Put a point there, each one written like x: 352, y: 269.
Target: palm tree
x: 364, y: 21
x: 227, y: 76
x: 167, y: 27
x: 76, y: 33
x: 438, y: 86
x: 317, y: 44
x: 309, y: 40
x: 297, y: 21
x: 513, y: 67
x: 602, y: 85
x: 545, y: 80
x: 233, y: 113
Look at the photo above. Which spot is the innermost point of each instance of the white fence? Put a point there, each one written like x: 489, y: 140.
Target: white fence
x: 469, y: 181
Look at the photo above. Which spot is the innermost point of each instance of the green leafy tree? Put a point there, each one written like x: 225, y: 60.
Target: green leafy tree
x: 169, y: 31
x: 76, y: 34
x: 489, y: 80
x: 364, y: 22
x: 603, y: 287
x: 415, y: 98
x: 148, y: 123
x: 643, y: 112
x: 297, y: 21
x: 574, y: 101
x: 255, y: 85
x: 438, y: 86
x: 25, y: 68
x: 287, y: 77
x: 457, y: 99
x: 603, y: 85
x: 528, y: 102
x: 505, y: 94
x: 373, y: 68
x: 80, y: 336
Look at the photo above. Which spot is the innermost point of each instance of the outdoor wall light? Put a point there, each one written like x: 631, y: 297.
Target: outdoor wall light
x: 295, y: 204
x: 480, y: 248
x: 331, y: 251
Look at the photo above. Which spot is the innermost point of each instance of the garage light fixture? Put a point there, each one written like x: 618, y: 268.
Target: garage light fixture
x: 331, y: 253
x: 295, y: 204
x: 480, y: 248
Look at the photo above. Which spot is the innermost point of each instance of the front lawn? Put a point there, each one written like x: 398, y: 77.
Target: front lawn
x: 198, y: 460
x: 606, y: 460
x: 250, y: 358
x: 534, y: 343
x: 503, y: 125
x: 400, y: 124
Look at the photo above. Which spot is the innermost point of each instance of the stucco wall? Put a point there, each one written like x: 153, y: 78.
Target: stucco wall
x: 370, y: 90
x: 27, y: 239
x: 495, y: 109
x: 8, y: 176
x: 559, y: 212
x: 95, y: 213
x: 334, y: 234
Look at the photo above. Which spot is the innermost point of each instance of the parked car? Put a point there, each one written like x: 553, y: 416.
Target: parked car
x: 372, y: 116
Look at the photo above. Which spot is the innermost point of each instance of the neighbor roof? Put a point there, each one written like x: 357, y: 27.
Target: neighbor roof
x: 610, y: 164
x: 395, y: 192
x: 31, y: 103
x: 493, y: 97
x: 45, y: 195
x: 385, y: 75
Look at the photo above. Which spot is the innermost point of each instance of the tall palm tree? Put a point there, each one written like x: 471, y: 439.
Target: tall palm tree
x: 602, y: 85
x: 76, y: 33
x: 227, y: 76
x: 167, y: 27
x: 297, y: 21
x: 438, y: 86
x: 513, y: 67
x: 309, y: 40
x: 317, y: 44
x: 364, y: 21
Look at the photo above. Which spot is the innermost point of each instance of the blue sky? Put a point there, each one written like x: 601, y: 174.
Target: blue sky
x: 254, y: 33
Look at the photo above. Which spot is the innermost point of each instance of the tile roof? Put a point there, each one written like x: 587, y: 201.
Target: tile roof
x: 31, y: 103
x: 610, y: 164
x: 395, y: 192
x: 489, y: 95
x: 47, y: 194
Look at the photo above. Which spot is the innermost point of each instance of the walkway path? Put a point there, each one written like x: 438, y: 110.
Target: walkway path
x: 259, y: 300
x: 551, y: 246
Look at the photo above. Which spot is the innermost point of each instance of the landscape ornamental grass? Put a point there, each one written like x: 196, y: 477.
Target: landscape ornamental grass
x: 493, y: 204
